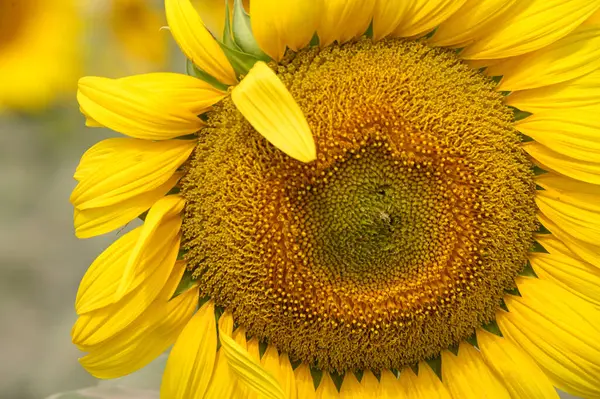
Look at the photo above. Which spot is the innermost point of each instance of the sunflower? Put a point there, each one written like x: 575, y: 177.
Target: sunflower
x: 39, y: 52
x: 352, y: 199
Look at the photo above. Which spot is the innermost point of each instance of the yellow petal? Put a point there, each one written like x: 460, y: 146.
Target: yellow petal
x: 280, y: 24
x: 573, y: 56
x: 563, y: 189
x: 212, y: 13
x: 96, y: 221
x: 559, y: 331
x: 249, y: 371
x: 426, y: 385
x: 223, y: 381
x: 239, y: 336
x: 160, y: 228
x: 564, y: 268
x: 196, y: 42
x: 188, y: 92
x: 390, y: 387
x: 342, y: 20
x: 99, y: 284
x: 579, y: 223
x: 135, y: 167
x: 370, y: 385
x: 327, y: 389
x: 134, y: 111
x: 580, y: 92
x: 570, y: 132
x: 144, y: 340
x: 304, y: 382
x: 467, y: 375
x: 465, y: 25
x: 529, y: 26
x: 580, y: 170
x: 192, y: 359
x: 424, y: 15
x: 270, y: 108
x: 519, y: 373
x: 590, y: 252
x: 351, y: 388
x: 387, y: 15
x: 99, y: 325
x: 254, y: 349
x: 286, y: 377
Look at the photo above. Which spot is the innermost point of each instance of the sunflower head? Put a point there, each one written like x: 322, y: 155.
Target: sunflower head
x: 363, y: 199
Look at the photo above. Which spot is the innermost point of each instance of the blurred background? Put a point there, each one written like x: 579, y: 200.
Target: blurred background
x: 45, y: 47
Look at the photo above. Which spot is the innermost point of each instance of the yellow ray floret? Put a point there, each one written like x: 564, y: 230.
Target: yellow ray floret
x: 342, y: 20
x: 580, y: 92
x: 573, y: 56
x: 161, y: 226
x: 553, y: 326
x: 466, y: 375
x: 134, y: 111
x: 529, y: 26
x: 305, y: 386
x: 387, y: 15
x: 270, y: 108
x: 280, y: 24
x: 196, y: 42
x: 424, y: 385
x: 561, y: 266
x: 464, y: 26
x: 520, y: 375
x: 140, y: 343
x: 424, y: 15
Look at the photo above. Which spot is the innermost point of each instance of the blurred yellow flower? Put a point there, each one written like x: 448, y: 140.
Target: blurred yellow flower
x: 39, y: 52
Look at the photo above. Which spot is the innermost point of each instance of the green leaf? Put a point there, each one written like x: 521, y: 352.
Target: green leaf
x: 242, y: 32
x: 227, y: 36
x: 193, y: 70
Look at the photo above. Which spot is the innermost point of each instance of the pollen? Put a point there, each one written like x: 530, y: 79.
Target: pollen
x: 397, y: 242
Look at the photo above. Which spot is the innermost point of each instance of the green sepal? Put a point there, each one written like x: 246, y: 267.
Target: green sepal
x: 518, y: 114
x: 538, y: 171
x: 453, y: 349
x: 436, y: 365
x: 542, y: 230
x: 496, y: 79
x: 525, y: 138
x: 369, y: 32
x: 539, y: 188
x: 186, y: 283
x: 492, y: 327
x: 242, y: 32
x: 193, y: 70
x: 227, y: 36
x: 315, y: 41
x: 503, y: 305
x: 317, y: 376
x: 537, y: 247
x: 473, y: 341
x: 513, y: 291
x: 528, y: 271
x: 337, y: 380
x: 241, y: 62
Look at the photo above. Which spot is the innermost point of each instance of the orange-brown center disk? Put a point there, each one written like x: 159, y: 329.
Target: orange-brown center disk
x: 397, y: 242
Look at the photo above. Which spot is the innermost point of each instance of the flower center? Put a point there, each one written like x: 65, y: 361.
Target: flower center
x: 398, y: 242
x: 12, y: 20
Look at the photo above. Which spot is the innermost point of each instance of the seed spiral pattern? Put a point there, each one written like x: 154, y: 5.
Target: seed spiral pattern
x: 397, y: 242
